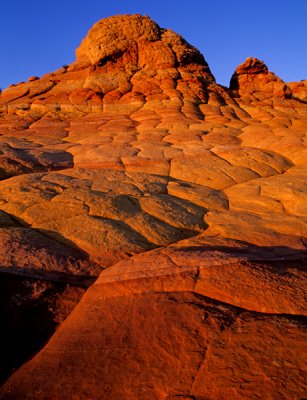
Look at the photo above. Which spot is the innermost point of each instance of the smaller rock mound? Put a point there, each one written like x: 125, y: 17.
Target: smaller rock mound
x: 252, y: 78
x: 299, y: 90
x: 252, y: 66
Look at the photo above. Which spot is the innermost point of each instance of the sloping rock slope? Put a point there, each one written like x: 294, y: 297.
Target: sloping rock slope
x: 187, y: 198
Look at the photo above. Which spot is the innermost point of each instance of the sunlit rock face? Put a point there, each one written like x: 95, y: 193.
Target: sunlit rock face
x: 299, y: 90
x: 253, y: 78
x: 146, y: 44
x: 186, y: 200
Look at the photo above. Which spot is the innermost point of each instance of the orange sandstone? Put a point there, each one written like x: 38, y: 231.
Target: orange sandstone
x: 186, y: 198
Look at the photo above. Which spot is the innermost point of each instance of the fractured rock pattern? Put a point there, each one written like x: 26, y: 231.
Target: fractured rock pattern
x: 188, y: 198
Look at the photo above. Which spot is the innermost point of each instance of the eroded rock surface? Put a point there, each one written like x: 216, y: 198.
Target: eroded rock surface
x: 188, y: 198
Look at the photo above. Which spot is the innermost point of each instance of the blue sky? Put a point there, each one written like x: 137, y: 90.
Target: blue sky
x: 40, y: 36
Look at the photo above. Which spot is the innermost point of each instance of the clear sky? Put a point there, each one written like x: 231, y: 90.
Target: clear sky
x: 39, y: 36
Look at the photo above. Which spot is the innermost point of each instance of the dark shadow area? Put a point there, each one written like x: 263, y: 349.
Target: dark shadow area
x: 30, y: 311
x: 83, y: 281
x: 277, y: 257
x: 113, y: 58
x: 17, y: 161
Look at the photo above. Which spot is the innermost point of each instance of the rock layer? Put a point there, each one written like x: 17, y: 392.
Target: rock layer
x: 189, y: 200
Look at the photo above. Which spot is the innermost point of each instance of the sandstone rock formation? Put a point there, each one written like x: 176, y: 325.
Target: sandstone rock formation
x: 186, y: 198
x: 253, y: 78
x: 299, y: 90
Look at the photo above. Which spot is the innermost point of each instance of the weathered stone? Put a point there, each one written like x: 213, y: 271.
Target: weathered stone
x: 188, y: 196
x: 253, y: 78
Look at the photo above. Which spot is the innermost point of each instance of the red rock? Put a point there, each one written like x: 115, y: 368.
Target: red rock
x: 161, y: 344
x: 299, y: 90
x: 253, y: 78
x: 189, y: 196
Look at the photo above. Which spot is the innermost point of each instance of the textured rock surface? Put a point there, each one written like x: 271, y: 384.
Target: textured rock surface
x: 299, y: 90
x: 252, y: 78
x: 188, y: 198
